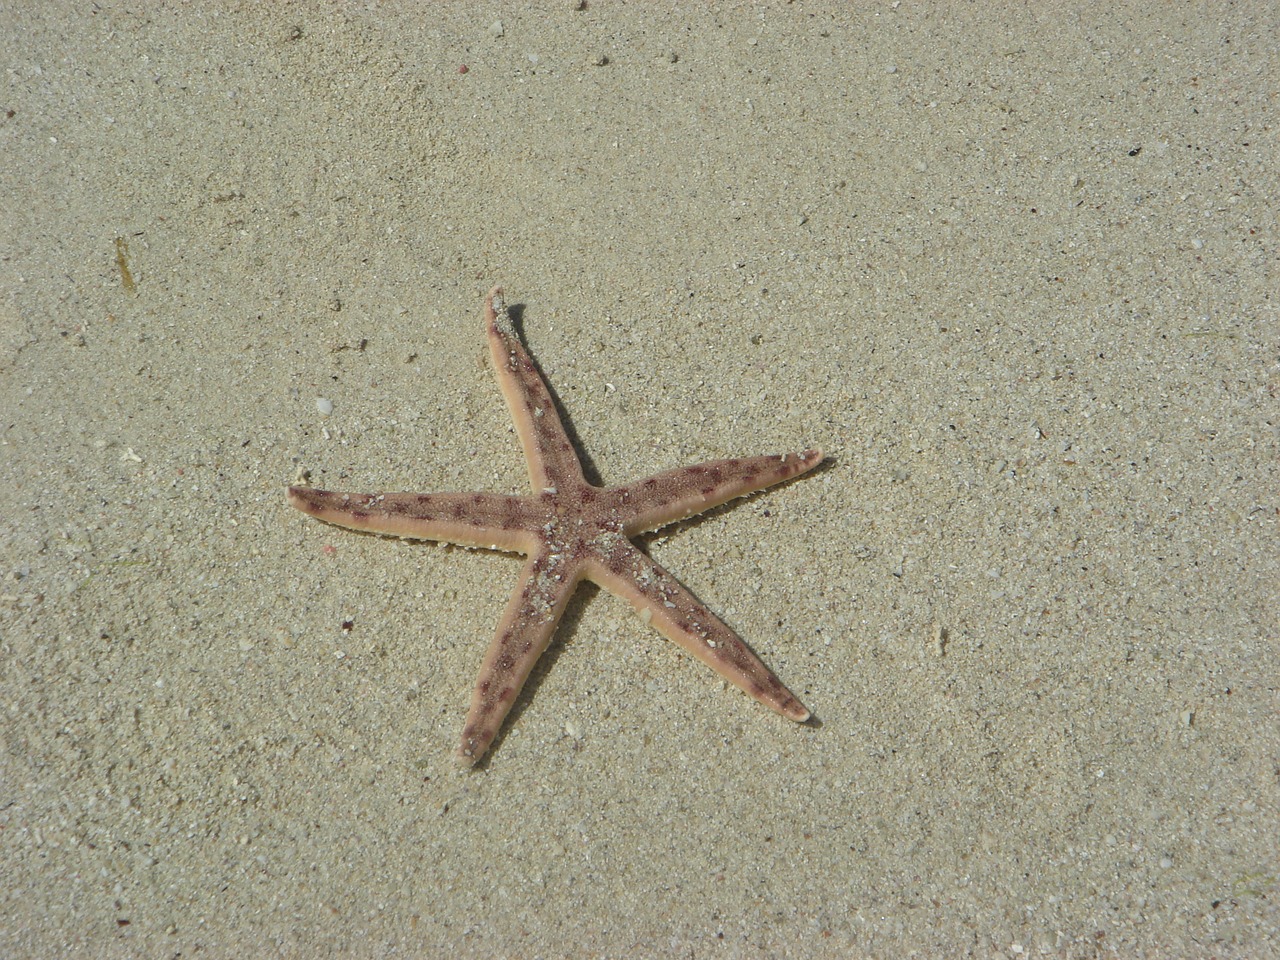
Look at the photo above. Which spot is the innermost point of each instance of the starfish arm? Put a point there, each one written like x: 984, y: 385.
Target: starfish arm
x: 679, y: 616
x: 667, y: 497
x: 551, y: 458
x: 497, y: 521
x: 546, y: 584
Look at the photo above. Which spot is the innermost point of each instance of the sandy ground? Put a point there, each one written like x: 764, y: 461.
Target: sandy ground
x: 1014, y: 271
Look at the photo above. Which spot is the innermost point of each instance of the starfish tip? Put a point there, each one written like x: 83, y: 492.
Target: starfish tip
x: 302, y: 498
x: 494, y: 304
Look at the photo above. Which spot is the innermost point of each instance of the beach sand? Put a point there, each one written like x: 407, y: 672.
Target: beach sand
x: 1013, y: 269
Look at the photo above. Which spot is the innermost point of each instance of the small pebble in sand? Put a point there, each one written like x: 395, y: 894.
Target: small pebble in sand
x: 325, y: 406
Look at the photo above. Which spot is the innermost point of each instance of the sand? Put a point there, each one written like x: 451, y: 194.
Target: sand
x: 1012, y: 267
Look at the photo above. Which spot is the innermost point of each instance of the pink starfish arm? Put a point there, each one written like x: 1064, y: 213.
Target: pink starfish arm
x: 551, y: 457
x: 678, y: 615
x: 678, y: 494
x: 494, y: 520
x: 545, y: 586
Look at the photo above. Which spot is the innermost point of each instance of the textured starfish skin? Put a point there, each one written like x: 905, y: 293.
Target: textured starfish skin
x: 570, y: 530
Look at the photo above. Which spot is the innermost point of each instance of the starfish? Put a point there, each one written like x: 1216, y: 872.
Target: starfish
x: 570, y: 530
